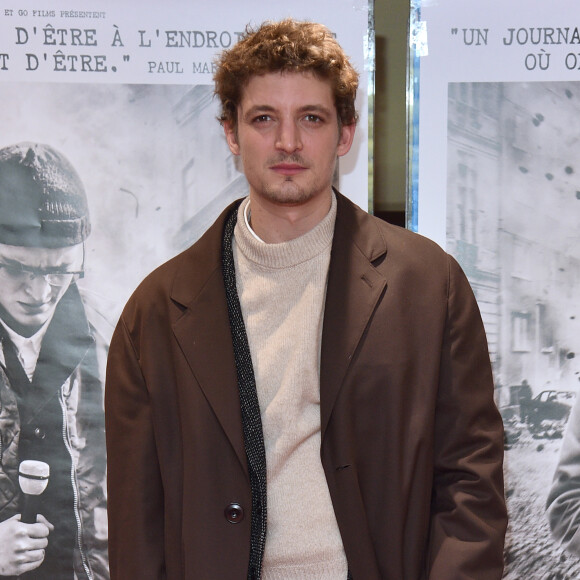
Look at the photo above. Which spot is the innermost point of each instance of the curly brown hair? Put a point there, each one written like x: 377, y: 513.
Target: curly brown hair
x: 286, y: 46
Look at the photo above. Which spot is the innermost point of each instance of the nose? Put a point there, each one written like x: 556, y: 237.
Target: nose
x: 38, y: 288
x: 288, y: 138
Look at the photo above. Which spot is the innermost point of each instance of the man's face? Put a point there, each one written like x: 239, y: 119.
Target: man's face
x: 288, y: 137
x: 32, y: 281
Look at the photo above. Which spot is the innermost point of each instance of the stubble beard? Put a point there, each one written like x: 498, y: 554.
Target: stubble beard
x: 289, y: 192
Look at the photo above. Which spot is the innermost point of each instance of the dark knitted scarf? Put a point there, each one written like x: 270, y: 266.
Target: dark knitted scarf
x: 251, y: 418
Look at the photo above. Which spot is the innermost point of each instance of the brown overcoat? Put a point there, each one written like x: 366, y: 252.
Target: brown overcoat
x: 411, y: 439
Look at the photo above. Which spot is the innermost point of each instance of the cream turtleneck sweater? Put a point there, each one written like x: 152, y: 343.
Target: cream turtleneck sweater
x: 282, y: 289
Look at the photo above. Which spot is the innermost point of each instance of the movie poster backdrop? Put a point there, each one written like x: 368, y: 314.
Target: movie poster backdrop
x: 123, y: 90
x: 496, y: 181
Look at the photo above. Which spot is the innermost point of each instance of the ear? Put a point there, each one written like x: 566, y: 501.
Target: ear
x: 231, y: 137
x: 345, y: 139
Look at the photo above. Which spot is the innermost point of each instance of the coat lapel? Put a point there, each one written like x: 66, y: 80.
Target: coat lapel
x: 203, y: 332
x: 354, y: 288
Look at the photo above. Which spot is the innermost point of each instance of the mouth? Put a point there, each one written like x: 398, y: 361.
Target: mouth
x: 288, y: 169
x: 32, y: 308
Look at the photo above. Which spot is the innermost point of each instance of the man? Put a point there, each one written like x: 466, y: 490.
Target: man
x: 306, y: 391
x: 563, y: 503
x: 525, y: 400
x: 51, y: 393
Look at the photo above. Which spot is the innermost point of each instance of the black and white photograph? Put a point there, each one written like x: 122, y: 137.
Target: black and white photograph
x: 119, y: 192
x: 53, y: 498
x: 496, y: 182
x: 513, y: 204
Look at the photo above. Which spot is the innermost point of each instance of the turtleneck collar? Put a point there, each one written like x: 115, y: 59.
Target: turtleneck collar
x: 284, y: 254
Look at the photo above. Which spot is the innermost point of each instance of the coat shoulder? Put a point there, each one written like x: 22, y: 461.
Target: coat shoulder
x: 376, y: 238
x: 180, y: 278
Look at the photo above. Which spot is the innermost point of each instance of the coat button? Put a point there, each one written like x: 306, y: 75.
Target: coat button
x: 39, y: 433
x: 234, y: 513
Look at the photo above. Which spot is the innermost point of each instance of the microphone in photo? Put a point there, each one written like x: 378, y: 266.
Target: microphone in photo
x: 33, y: 479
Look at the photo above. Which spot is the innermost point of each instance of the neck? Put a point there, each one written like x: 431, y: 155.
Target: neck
x: 274, y: 222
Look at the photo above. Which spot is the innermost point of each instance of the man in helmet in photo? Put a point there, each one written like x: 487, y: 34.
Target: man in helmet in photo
x: 51, y: 406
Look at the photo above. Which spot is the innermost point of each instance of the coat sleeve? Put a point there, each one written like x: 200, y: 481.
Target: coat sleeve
x: 468, y: 512
x: 9, y: 428
x: 564, y: 498
x: 135, y: 491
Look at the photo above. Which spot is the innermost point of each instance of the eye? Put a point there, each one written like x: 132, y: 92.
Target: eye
x: 262, y: 119
x: 12, y: 269
x: 312, y: 118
